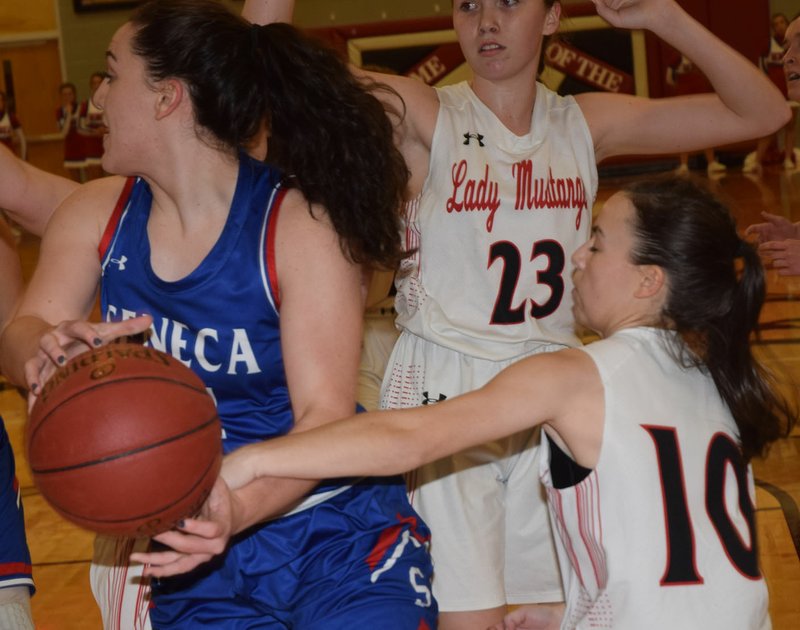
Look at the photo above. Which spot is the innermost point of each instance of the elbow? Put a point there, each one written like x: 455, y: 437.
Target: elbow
x: 784, y: 115
x: 774, y: 117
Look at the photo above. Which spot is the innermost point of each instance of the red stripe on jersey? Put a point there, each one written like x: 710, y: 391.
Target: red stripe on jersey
x: 423, y: 625
x: 12, y: 568
x: 113, y: 220
x: 272, y: 270
x: 389, y: 536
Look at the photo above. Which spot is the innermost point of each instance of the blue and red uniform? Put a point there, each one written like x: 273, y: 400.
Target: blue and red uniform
x: 354, y: 553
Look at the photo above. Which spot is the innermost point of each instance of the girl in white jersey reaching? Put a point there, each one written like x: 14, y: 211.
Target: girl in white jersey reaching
x: 649, y: 430
x: 503, y: 175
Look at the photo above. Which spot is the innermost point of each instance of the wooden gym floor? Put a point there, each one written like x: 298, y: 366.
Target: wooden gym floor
x: 61, y: 552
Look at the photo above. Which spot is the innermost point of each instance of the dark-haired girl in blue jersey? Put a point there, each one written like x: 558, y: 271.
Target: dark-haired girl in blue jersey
x: 253, y: 279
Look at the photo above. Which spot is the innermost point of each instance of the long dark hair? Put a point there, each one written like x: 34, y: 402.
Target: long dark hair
x: 326, y: 131
x: 713, y: 301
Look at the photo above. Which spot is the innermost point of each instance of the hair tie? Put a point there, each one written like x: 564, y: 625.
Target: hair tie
x: 743, y: 248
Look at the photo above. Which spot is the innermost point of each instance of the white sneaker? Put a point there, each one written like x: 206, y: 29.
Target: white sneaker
x: 751, y: 167
x: 716, y: 167
x: 788, y: 164
x: 683, y: 169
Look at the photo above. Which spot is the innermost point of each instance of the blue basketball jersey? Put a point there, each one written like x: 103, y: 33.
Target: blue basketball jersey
x: 350, y: 556
x: 222, y: 319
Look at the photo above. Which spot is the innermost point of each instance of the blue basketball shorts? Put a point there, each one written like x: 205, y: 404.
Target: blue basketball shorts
x: 15, y: 559
x: 357, y: 560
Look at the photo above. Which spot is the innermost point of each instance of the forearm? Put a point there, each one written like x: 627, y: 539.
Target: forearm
x: 270, y: 496
x: 372, y: 444
x: 20, y: 342
x: 268, y: 11
x: 761, y: 104
x: 267, y: 498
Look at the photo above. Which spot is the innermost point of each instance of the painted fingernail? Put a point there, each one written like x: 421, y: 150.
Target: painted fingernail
x: 61, y: 359
x: 35, y: 387
x: 181, y: 523
x: 97, y: 341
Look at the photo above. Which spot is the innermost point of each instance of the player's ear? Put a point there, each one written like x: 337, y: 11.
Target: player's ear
x: 652, y: 279
x: 552, y: 19
x: 170, y: 94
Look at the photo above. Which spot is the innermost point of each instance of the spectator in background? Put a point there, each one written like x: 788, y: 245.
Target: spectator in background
x: 779, y: 242
x: 92, y: 127
x: 685, y: 78
x: 772, y: 64
x: 11, y: 133
x: 67, y: 117
x: 778, y: 238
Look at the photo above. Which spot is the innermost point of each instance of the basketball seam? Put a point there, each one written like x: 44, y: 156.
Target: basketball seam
x: 108, y: 384
x: 110, y: 458
x: 138, y: 516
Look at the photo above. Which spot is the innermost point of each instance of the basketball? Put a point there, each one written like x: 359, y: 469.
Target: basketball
x: 124, y: 440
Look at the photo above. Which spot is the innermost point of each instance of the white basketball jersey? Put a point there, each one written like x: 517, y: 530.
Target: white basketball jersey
x: 660, y: 535
x: 498, y: 219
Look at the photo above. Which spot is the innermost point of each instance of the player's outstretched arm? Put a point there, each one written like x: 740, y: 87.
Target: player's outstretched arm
x: 377, y: 443
x: 535, y: 390
x: 29, y: 195
x: 624, y: 124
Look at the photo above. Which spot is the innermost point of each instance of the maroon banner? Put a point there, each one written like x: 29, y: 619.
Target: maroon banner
x: 437, y: 64
x: 590, y: 70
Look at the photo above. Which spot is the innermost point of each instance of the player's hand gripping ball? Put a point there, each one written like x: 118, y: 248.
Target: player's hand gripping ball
x: 124, y: 440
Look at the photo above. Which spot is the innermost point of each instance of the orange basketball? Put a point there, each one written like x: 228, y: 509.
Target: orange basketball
x: 124, y: 440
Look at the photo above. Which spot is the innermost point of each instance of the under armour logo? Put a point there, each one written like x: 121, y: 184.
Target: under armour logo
x: 120, y: 262
x: 427, y: 400
x: 477, y: 136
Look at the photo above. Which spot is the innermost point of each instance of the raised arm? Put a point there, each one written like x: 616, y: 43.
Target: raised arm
x: 28, y: 194
x: 268, y: 11
x: 746, y: 105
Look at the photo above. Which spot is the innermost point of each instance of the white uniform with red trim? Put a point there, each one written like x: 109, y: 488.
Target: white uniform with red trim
x: 495, y: 226
x: 661, y: 534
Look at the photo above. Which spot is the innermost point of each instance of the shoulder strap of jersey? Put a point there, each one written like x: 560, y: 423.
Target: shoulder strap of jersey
x: 113, y: 220
x: 269, y: 246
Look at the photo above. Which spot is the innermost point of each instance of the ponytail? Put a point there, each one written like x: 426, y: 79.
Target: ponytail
x: 714, y: 303
x: 326, y: 131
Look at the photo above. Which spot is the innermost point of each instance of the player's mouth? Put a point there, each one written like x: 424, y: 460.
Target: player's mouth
x: 488, y: 48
